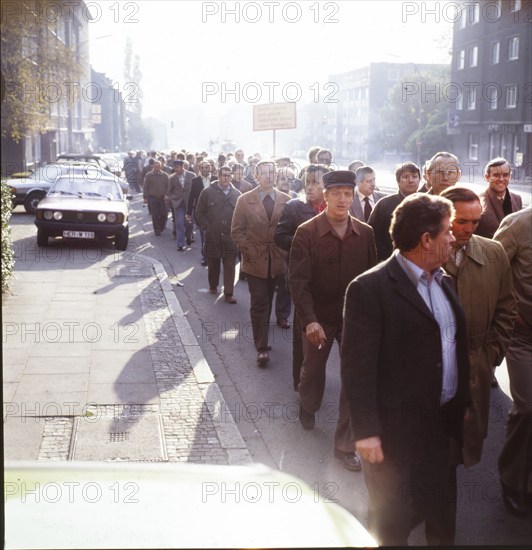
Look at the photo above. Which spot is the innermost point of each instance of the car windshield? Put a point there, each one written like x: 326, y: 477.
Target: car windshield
x: 79, y: 186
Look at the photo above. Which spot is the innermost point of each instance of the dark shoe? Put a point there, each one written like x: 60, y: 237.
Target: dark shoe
x: 283, y: 323
x: 350, y: 461
x: 307, y: 419
x: 180, y: 249
x: 213, y: 291
x: 262, y: 358
x: 204, y: 262
x: 189, y: 241
x: 230, y: 299
x: 157, y: 234
x: 514, y: 502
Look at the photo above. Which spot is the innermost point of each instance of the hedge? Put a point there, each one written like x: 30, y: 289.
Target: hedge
x: 8, y: 256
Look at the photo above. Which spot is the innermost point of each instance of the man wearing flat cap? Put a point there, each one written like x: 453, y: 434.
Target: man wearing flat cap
x: 327, y: 253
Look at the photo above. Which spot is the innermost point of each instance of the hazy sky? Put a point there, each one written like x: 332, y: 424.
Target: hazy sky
x: 193, y: 51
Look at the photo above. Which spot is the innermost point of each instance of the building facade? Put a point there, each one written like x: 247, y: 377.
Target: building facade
x: 490, y: 111
x: 362, y: 94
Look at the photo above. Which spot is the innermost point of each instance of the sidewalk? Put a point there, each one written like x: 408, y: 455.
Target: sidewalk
x: 100, y: 363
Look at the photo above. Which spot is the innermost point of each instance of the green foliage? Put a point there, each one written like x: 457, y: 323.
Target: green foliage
x: 34, y: 62
x: 8, y: 256
x: 416, y: 115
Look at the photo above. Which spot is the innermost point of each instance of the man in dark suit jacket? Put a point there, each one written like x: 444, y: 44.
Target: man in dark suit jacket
x: 198, y: 184
x: 497, y: 201
x: 408, y: 177
x: 365, y: 195
x: 406, y: 373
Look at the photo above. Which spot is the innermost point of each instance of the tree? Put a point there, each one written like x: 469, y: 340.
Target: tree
x: 415, y: 115
x: 35, y: 63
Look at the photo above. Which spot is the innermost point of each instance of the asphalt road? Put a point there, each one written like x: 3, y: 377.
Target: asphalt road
x: 264, y: 404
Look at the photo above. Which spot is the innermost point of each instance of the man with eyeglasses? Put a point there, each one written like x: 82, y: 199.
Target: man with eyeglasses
x: 497, y: 201
x: 442, y: 171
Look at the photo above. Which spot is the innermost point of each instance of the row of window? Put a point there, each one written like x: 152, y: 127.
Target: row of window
x: 495, y: 53
x: 491, y: 11
x: 492, y: 94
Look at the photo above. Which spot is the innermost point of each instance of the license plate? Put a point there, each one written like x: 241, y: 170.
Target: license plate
x: 79, y: 234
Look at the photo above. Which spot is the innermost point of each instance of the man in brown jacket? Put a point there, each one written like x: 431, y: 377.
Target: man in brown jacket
x: 482, y: 276
x: 327, y: 253
x: 254, y: 222
x: 156, y: 185
x: 497, y: 201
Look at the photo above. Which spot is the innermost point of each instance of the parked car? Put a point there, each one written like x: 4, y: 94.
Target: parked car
x: 76, y: 208
x: 109, y: 164
x: 29, y: 188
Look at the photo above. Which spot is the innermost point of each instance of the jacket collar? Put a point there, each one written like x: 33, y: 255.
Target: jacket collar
x: 325, y: 227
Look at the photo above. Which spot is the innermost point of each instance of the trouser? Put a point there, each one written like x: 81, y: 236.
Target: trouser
x: 399, y: 490
x: 312, y: 386
x: 297, y: 349
x: 515, y: 460
x: 159, y: 213
x: 213, y: 272
x: 283, y: 300
x: 179, y: 224
x: 261, y: 293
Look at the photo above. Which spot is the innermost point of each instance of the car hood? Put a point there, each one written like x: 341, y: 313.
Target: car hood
x: 90, y: 204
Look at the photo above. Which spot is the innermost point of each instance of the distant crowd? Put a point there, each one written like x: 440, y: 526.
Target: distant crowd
x: 426, y: 291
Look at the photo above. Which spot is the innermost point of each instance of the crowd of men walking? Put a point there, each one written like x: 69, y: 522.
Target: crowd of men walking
x: 426, y: 291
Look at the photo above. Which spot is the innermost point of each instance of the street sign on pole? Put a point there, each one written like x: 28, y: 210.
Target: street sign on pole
x: 274, y: 116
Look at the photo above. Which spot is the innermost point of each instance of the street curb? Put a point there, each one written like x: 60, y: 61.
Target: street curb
x: 228, y: 433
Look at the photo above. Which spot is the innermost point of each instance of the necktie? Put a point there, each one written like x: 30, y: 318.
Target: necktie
x: 507, y: 204
x: 268, y: 203
x: 367, y: 209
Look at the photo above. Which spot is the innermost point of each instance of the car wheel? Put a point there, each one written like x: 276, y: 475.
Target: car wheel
x: 31, y: 202
x: 121, y: 240
x: 42, y: 238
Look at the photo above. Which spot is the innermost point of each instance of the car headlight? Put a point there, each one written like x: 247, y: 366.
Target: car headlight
x: 111, y: 218
x: 58, y: 215
x: 48, y: 215
x: 101, y: 217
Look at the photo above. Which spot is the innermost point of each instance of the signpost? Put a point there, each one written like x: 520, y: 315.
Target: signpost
x: 274, y: 116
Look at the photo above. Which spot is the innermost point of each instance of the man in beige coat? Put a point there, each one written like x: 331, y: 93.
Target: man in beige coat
x: 482, y: 276
x: 253, y: 229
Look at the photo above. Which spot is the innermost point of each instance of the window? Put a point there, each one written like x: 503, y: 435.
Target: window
x: 511, y: 96
x: 493, y: 98
x: 462, y: 21
x: 472, y: 99
x: 495, y: 52
x: 513, y: 48
x: 473, y: 146
x: 473, y: 56
x: 474, y: 13
x: 460, y: 64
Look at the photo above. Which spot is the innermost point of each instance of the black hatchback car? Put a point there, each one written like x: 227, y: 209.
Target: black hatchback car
x: 75, y: 208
